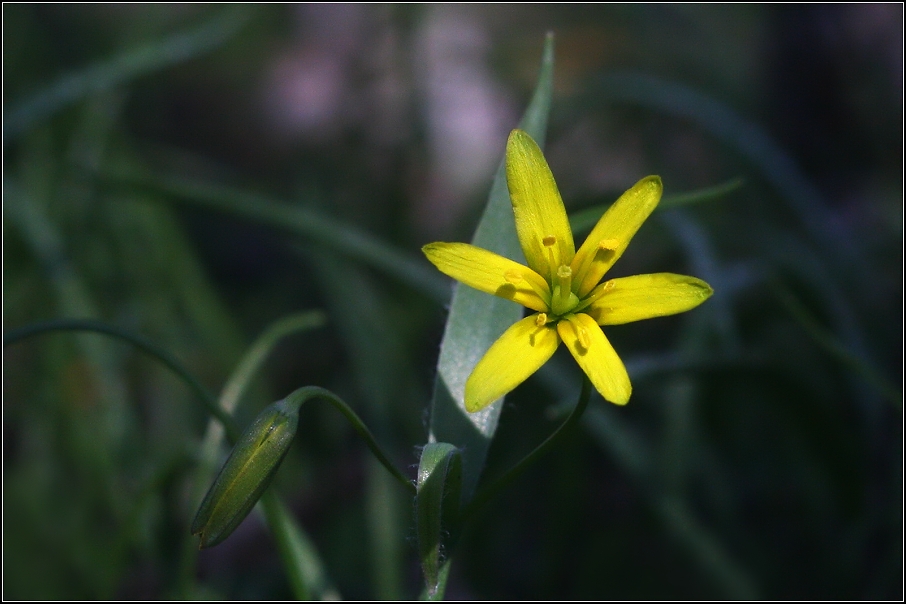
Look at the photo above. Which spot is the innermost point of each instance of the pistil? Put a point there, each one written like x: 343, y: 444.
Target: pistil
x: 563, y: 299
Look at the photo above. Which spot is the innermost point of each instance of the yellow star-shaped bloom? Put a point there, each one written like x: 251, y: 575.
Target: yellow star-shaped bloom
x: 563, y: 285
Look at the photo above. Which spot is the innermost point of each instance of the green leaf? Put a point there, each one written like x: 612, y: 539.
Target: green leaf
x: 437, y: 506
x: 476, y: 319
x: 312, y: 225
x: 308, y: 577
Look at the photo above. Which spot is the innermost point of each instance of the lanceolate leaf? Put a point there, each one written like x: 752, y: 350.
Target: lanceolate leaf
x: 476, y: 319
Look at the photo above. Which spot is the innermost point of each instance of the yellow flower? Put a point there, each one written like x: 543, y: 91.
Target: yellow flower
x: 562, y: 284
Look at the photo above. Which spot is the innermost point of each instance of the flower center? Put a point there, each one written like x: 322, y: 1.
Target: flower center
x: 563, y: 299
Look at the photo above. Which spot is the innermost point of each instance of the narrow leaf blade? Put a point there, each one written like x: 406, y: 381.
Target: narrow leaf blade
x: 476, y: 319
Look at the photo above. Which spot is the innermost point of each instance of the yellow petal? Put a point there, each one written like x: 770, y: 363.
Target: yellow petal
x: 517, y: 354
x: 609, y: 238
x: 597, y: 358
x: 646, y: 296
x: 490, y: 273
x: 541, y: 221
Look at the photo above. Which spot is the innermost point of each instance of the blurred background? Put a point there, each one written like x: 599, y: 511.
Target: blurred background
x: 193, y: 173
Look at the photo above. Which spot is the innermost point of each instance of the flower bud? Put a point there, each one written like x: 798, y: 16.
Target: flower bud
x: 247, y: 473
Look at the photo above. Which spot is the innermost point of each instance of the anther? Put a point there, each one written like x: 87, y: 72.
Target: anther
x: 584, y: 340
x: 549, y: 243
x: 541, y: 319
x: 513, y: 276
x: 581, y: 333
x: 608, y: 245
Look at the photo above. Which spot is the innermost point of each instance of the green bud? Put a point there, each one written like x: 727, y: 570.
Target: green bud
x: 246, y: 474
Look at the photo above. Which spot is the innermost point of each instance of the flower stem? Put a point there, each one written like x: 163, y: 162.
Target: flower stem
x: 302, y: 395
x: 15, y: 335
x: 488, y: 493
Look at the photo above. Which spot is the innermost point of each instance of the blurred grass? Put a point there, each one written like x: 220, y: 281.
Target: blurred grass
x: 760, y: 455
x: 118, y: 71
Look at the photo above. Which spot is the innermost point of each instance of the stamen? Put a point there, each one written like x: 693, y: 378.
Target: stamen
x: 596, y: 293
x: 581, y: 332
x: 541, y: 319
x: 591, y: 268
x: 521, y: 280
x: 549, y: 242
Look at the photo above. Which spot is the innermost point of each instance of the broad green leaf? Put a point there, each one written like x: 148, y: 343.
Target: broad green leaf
x: 476, y: 319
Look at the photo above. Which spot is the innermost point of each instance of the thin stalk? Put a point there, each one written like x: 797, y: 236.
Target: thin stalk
x: 208, y: 399
x: 302, y: 395
x: 236, y: 386
x: 489, y: 492
x: 274, y: 511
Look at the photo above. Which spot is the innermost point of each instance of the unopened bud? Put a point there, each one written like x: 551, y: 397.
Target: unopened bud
x: 247, y: 473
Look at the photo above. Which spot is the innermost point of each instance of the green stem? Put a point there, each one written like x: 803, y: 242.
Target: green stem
x: 489, y: 492
x: 252, y: 361
x: 438, y: 594
x: 17, y: 335
x: 302, y: 395
x: 236, y: 386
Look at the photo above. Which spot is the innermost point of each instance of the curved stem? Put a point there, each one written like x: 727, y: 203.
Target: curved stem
x: 285, y: 532
x: 488, y: 493
x: 254, y: 359
x: 17, y: 335
x: 302, y: 395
